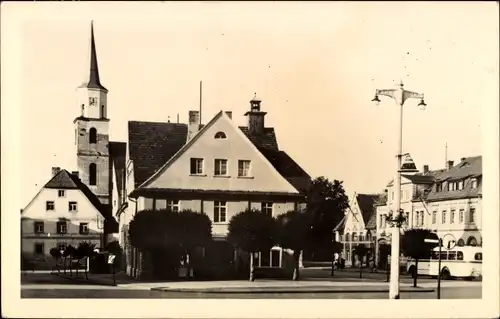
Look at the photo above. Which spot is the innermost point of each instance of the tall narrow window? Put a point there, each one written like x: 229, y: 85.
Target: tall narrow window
x: 92, y: 136
x: 92, y: 174
x: 220, y: 167
x: 434, y: 215
x: 461, y: 216
x: 219, y: 212
x: 443, y: 221
x: 472, y: 216
x: 243, y: 168
x: 452, y: 216
x: 102, y: 112
x: 196, y: 166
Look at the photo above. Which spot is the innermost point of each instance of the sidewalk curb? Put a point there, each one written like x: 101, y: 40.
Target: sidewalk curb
x: 90, y: 281
x: 286, y: 290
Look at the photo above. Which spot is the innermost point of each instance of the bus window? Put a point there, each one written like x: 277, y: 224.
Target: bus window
x: 444, y: 256
x: 460, y: 255
x: 452, y: 255
x: 435, y: 255
x: 478, y: 256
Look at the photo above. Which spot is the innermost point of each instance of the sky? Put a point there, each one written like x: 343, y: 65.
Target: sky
x: 315, y: 65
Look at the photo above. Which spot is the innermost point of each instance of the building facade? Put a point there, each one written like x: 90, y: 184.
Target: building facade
x: 218, y: 169
x: 447, y: 201
x: 357, y: 227
x: 64, y: 212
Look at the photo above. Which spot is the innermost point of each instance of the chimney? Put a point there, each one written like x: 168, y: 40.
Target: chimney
x: 55, y: 170
x: 229, y: 114
x: 255, y: 117
x: 449, y: 165
x: 426, y: 169
x: 194, y: 124
x: 76, y: 174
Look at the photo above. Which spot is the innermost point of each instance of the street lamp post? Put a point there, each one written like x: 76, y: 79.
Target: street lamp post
x: 400, y: 95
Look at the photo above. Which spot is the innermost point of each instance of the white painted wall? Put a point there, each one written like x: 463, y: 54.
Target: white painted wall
x: 36, y: 211
x: 236, y: 147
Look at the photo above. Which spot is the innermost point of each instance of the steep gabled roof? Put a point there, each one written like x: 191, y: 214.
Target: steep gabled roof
x: 61, y: 180
x: 266, y: 140
x: 372, y: 222
x: 117, y: 152
x: 366, y: 203
x: 152, y: 144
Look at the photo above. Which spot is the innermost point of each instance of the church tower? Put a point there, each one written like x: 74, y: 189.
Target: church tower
x: 92, y: 130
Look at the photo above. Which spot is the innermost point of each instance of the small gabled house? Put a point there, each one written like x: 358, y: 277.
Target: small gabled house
x: 357, y: 226
x: 219, y: 169
x: 64, y: 212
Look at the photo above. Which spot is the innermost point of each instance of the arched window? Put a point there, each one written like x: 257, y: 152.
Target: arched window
x: 92, y: 136
x: 361, y: 237
x: 347, y: 237
x: 92, y: 174
x: 472, y: 241
x: 460, y: 243
x: 220, y: 135
x: 368, y: 236
x: 354, y: 236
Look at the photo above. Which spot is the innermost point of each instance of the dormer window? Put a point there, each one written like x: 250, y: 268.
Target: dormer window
x: 220, y: 135
x: 460, y: 185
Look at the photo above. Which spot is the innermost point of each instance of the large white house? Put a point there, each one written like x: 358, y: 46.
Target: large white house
x: 64, y: 212
x: 219, y: 169
x: 447, y: 201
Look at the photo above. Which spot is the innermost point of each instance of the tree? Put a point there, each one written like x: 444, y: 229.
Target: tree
x: 252, y: 231
x: 360, y: 250
x: 84, y: 250
x: 158, y: 231
x: 326, y: 203
x: 69, y: 252
x: 196, y: 231
x: 413, y: 245
x: 56, y: 254
x: 292, y: 232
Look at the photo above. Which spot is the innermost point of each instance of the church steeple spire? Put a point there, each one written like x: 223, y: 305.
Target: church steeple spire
x: 94, y: 81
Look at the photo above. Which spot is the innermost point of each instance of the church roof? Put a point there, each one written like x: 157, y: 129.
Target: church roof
x: 94, y: 80
x: 152, y: 144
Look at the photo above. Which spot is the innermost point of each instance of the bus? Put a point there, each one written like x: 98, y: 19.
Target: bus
x: 460, y: 262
